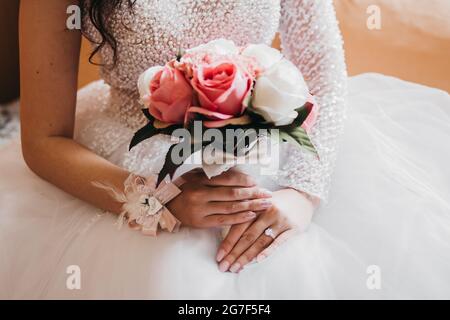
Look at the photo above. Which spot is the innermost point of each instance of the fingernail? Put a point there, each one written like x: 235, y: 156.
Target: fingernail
x: 266, y: 203
x: 261, y: 258
x: 235, y: 267
x: 251, y: 181
x: 251, y: 215
x: 220, y: 255
x: 266, y: 192
x: 223, y: 266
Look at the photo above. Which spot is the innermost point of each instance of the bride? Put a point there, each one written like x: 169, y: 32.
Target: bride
x: 380, y: 229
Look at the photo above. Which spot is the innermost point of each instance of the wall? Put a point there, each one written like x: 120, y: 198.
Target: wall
x: 413, y: 43
x: 9, y: 51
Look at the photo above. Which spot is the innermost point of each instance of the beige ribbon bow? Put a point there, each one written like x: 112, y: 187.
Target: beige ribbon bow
x: 144, y: 204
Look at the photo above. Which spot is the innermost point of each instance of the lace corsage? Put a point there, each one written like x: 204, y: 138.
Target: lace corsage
x: 144, y: 204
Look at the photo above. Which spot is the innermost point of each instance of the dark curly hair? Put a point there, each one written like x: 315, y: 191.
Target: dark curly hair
x: 99, y: 12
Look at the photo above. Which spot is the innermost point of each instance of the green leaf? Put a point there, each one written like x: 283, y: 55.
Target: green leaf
x: 143, y: 134
x: 303, y: 113
x: 148, y: 115
x: 299, y: 137
x: 170, y: 129
x: 256, y: 116
x: 169, y: 167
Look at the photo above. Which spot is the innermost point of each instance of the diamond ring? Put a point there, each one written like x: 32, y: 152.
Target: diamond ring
x: 269, y: 232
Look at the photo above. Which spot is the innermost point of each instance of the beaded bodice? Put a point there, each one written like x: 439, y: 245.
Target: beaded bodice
x: 153, y: 31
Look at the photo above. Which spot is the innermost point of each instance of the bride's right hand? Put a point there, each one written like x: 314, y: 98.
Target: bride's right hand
x: 228, y: 199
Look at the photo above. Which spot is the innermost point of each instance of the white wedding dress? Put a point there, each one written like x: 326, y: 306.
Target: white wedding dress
x: 387, y: 210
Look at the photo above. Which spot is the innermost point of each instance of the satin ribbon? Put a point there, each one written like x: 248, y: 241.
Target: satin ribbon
x: 144, y: 204
x: 150, y: 211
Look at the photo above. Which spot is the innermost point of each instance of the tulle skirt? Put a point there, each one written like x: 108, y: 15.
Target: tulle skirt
x: 384, y: 233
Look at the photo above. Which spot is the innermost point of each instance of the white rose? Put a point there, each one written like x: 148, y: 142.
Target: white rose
x: 144, y: 83
x: 219, y: 46
x: 266, y: 56
x: 279, y: 92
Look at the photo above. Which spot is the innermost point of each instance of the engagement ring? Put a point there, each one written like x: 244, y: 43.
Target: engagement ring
x: 269, y: 232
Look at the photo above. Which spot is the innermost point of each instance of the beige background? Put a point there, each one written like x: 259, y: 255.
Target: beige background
x: 413, y: 43
x: 9, y: 53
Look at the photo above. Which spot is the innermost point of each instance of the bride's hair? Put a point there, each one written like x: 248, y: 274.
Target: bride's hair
x: 99, y: 12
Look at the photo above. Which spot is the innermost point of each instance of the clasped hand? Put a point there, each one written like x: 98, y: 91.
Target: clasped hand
x: 260, y: 220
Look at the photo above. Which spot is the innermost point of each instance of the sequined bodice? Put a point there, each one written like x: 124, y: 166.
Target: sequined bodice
x: 155, y: 30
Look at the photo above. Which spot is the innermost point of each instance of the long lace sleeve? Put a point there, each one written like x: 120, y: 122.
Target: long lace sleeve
x: 312, y: 40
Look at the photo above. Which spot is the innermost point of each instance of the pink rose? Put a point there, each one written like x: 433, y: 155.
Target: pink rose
x: 221, y: 90
x: 311, y: 119
x: 166, y: 93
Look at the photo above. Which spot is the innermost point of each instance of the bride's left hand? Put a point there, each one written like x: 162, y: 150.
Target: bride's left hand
x: 291, y: 212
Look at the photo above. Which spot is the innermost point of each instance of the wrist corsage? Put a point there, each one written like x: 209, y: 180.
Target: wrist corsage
x: 143, y: 204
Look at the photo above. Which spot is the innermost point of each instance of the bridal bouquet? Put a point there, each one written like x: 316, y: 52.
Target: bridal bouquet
x: 224, y: 87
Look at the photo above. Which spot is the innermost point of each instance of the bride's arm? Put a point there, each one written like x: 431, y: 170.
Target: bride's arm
x: 311, y: 39
x: 49, y: 69
x: 49, y: 56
